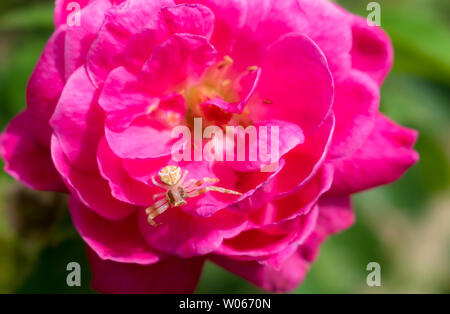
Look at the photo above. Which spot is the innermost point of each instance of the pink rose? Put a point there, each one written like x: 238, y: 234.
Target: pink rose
x: 105, y: 96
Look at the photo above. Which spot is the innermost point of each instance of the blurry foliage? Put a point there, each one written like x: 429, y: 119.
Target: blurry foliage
x: 403, y: 226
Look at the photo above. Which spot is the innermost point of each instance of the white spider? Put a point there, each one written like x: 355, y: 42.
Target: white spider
x: 177, y: 192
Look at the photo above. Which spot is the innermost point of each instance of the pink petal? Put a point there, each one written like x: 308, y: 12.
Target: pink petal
x: 185, y: 235
x: 124, y: 100
x: 142, y: 170
x: 182, y: 57
x: 335, y: 214
x: 153, y: 35
x: 372, y: 50
x: 305, y: 160
x: 299, y: 202
x: 26, y: 159
x: 122, y: 186
x: 89, y: 187
x: 229, y: 19
x: 290, y: 136
x: 247, y: 87
x: 296, y: 82
x: 265, y: 22
x: 78, y: 121
x: 383, y: 158
x: 150, y: 140
x: 189, y: 18
x: 269, y: 240
x: 120, y: 24
x: 208, y: 204
x: 257, y: 188
x: 329, y: 26
x: 45, y: 86
x: 62, y: 12
x: 324, y: 22
x: 283, y: 279
x: 117, y: 241
x: 218, y: 111
x: 276, y: 259
x: 355, y: 108
x: 171, y: 275
x: 205, y: 205
x: 79, y: 38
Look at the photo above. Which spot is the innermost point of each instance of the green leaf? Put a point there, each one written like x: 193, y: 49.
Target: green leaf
x: 28, y: 18
x: 49, y: 274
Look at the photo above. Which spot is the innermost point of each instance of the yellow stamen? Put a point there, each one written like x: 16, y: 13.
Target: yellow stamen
x: 226, y: 83
x: 173, y: 118
x: 152, y: 107
x: 227, y: 61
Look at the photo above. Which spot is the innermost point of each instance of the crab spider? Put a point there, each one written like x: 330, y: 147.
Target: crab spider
x: 177, y: 191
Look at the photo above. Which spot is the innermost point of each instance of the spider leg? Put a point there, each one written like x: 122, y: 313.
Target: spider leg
x: 155, y: 213
x: 159, y: 206
x: 155, y: 205
x: 183, y: 178
x: 155, y: 196
x: 188, y: 183
x: 158, y: 184
x: 204, y: 190
x: 200, y: 183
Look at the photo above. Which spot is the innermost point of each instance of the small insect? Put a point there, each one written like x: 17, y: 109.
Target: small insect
x: 177, y: 191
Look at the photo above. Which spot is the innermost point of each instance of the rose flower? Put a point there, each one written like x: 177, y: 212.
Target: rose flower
x: 108, y: 91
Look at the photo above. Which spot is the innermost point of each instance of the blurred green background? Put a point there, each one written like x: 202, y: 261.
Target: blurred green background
x: 405, y: 226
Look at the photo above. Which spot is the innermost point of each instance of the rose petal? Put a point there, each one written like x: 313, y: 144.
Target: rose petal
x: 283, y: 279
x: 62, y: 10
x: 117, y: 241
x: 124, y: 101
x: 265, y: 22
x: 26, y: 159
x: 383, y: 158
x: 296, y: 83
x: 79, y: 38
x: 305, y: 160
x: 122, y: 186
x: 120, y: 24
x: 89, y: 187
x: 150, y: 140
x: 77, y: 121
x: 45, y: 86
x: 229, y: 20
x: 334, y: 216
x: 181, y: 57
x: 299, y: 202
x: 171, y: 275
x: 329, y: 26
x: 372, y: 50
x: 269, y: 240
x: 189, y: 18
x: 185, y: 235
x: 355, y: 108
x: 289, y: 136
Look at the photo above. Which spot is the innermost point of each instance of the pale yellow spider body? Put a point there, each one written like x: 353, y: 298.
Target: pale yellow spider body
x: 170, y: 175
x: 177, y: 191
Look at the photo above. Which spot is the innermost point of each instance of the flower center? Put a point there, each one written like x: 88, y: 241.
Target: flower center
x: 213, y: 97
